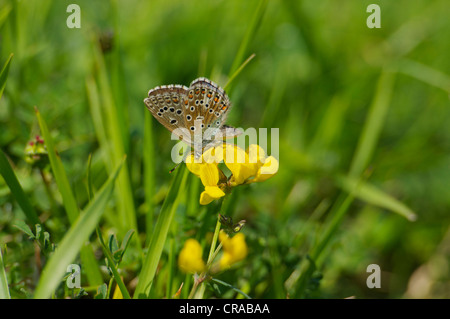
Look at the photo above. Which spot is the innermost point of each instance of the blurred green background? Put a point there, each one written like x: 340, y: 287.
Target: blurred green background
x: 335, y: 89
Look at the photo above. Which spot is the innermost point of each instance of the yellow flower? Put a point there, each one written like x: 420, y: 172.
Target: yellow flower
x: 234, y: 249
x: 246, y: 167
x: 209, y: 174
x: 117, y: 293
x: 190, y: 258
x: 36, y: 152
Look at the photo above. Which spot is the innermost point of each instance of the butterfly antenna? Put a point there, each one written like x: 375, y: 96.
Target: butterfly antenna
x: 183, y: 160
x: 171, y: 171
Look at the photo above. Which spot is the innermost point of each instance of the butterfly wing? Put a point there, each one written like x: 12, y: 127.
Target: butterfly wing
x: 167, y: 105
x: 201, y: 108
x: 211, y: 104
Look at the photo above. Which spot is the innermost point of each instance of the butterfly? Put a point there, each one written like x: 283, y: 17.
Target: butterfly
x: 195, y: 114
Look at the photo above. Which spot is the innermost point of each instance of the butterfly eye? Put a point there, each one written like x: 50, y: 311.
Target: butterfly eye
x: 172, y: 109
x: 179, y: 112
x: 192, y: 109
x: 188, y: 117
x: 192, y: 128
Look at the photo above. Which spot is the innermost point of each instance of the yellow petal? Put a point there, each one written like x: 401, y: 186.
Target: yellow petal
x: 211, y: 193
x: 226, y: 260
x: 205, y: 199
x: 192, y: 165
x: 190, y: 258
x: 234, y: 249
x: 209, y: 174
x: 237, y: 162
x: 213, y: 155
x: 117, y: 293
x: 266, y: 171
x: 256, y: 154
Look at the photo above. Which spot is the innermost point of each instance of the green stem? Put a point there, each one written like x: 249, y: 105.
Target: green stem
x: 113, y: 268
x: 48, y: 191
x: 213, y: 251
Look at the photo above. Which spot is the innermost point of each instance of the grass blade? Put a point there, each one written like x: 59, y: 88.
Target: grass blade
x: 364, y: 151
x: 300, y: 278
x: 160, y: 233
x: 374, y: 123
x: 223, y: 283
x: 4, y: 74
x: 11, y: 180
x: 4, y: 290
x: 114, y: 128
x: 251, y: 31
x: 149, y: 172
x: 97, y: 120
x: 59, y: 173
x: 375, y: 196
x: 236, y: 73
x: 426, y: 74
x: 72, y: 242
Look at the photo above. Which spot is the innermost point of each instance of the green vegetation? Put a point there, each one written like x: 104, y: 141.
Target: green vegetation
x: 364, y: 150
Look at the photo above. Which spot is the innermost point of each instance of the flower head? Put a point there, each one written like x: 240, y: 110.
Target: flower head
x: 36, y: 152
x: 190, y: 258
x: 246, y: 167
x: 234, y: 249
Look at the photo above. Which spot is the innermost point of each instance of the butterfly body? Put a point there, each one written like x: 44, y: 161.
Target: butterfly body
x: 196, y: 114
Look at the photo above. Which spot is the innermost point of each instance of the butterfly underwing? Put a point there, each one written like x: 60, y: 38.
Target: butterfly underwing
x: 196, y: 114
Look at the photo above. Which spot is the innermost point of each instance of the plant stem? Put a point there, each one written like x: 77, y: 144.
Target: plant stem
x: 213, y: 251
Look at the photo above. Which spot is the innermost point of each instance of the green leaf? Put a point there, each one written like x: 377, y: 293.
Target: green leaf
x: 4, y: 74
x: 68, y: 198
x: 115, y: 130
x: 426, y: 74
x: 375, y: 196
x: 126, y: 239
x: 113, y: 244
x: 249, y: 35
x: 72, y: 242
x: 374, y: 124
x: 160, y: 233
x: 11, y: 180
x: 38, y: 231
x: 21, y: 225
x: 59, y: 173
x: 101, y: 292
x: 112, y: 266
x: 4, y: 289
